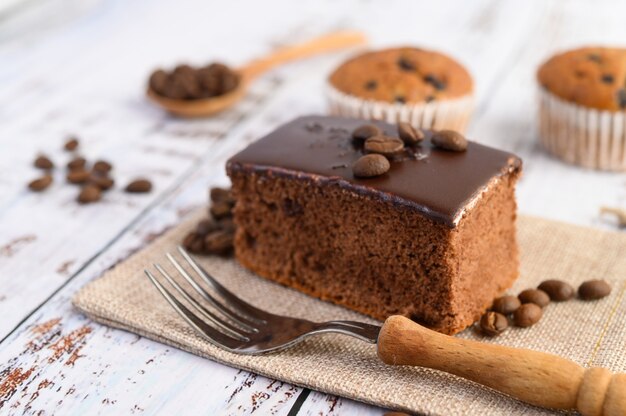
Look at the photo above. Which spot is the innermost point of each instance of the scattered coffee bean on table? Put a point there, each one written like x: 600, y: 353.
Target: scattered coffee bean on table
x: 370, y: 165
x: 139, y: 186
x: 558, y: 290
x: 360, y: 134
x: 449, y: 140
x: 527, y: 315
x: 594, y: 289
x: 88, y: 194
x: 43, y: 162
x: 102, y: 166
x: 103, y: 182
x: 77, y: 163
x: 383, y: 145
x: 78, y: 176
x: 409, y: 135
x: 40, y: 184
x: 506, y: 304
x: 71, y: 144
x: 536, y: 296
x: 493, y: 323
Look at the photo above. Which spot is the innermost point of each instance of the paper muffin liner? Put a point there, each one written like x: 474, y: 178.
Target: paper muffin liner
x: 449, y: 114
x: 594, y: 139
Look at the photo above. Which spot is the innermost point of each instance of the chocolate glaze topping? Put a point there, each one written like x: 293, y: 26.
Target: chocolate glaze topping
x: 438, y: 183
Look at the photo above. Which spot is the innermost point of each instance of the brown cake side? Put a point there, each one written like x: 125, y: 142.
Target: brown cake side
x: 372, y: 255
x: 374, y: 252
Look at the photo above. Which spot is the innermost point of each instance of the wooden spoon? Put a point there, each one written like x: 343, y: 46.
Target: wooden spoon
x: 207, y: 106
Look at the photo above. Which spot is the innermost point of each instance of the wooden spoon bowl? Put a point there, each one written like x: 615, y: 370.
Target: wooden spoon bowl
x: 207, y: 106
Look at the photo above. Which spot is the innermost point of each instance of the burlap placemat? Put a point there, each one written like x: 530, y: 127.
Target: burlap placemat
x: 590, y: 333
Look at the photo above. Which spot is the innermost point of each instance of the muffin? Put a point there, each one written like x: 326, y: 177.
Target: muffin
x: 582, y: 107
x: 425, y: 88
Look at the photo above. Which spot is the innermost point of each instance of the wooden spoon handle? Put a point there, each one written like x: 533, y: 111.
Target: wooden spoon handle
x: 325, y: 43
x: 537, y: 378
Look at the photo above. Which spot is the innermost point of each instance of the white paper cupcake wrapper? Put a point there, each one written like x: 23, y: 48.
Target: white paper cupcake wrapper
x: 582, y: 136
x: 453, y: 114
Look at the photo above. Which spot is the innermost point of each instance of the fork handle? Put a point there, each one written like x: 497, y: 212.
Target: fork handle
x: 537, y: 378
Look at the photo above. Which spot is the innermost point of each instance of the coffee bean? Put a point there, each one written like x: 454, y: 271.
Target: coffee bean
x: 383, y: 145
x: 103, y: 182
x: 43, y: 162
x: 506, y: 304
x: 221, y: 209
x: 536, y: 296
x: 206, y: 226
x: 71, y: 144
x: 406, y: 65
x: 449, y: 140
x: 408, y: 134
x: 370, y: 165
x: 139, y: 186
x: 371, y: 85
x: 77, y: 163
x: 360, y: 134
x: 608, y: 78
x: 102, y: 166
x: 194, y: 243
x: 40, y: 184
x: 88, y: 194
x: 221, y: 194
x: 493, y: 323
x: 78, y: 176
x: 594, y: 289
x: 435, y: 82
x: 226, y: 224
x: 219, y: 242
x: 558, y: 290
x: 527, y: 315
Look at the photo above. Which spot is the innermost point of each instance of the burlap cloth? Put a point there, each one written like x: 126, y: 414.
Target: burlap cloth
x: 590, y: 333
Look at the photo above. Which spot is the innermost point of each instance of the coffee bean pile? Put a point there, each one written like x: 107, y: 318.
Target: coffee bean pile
x: 379, y: 148
x: 526, y: 309
x: 214, y: 235
x: 189, y: 83
x: 93, y: 180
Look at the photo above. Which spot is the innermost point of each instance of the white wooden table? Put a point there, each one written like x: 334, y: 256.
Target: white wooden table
x: 79, y: 67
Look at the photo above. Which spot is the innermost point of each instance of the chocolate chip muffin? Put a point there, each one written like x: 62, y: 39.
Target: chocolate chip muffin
x: 425, y: 88
x: 583, y: 107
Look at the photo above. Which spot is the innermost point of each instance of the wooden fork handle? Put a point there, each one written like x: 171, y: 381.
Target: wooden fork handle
x: 325, y: 43
x: 537, y: 378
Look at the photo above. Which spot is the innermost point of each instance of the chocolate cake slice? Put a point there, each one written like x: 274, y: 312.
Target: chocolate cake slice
x: 432, y: 239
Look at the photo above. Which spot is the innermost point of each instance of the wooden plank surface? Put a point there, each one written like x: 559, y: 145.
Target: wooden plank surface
x: 85, y: 76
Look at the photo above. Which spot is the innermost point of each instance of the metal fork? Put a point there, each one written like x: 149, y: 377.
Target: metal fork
x: 538, y: 378
x: 242, y: 328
